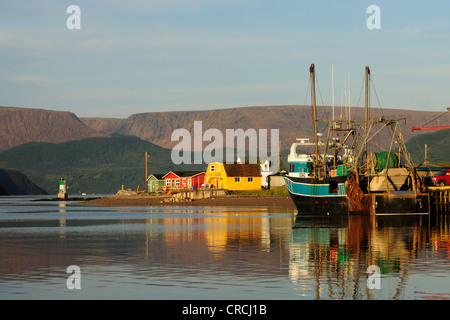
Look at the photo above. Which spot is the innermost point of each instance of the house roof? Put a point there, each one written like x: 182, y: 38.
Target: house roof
x: 184, y: 174
x: 158, y: 176
x: 242, y: 170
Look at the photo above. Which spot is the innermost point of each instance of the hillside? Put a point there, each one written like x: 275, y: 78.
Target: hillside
x: 292, y: 121
x: 13, y: 182
x: 438, y: 146
x: 92, y: 165
x: 107, y: 126
x: 22, y: 125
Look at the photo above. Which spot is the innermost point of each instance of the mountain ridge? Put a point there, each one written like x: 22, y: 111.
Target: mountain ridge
x: 293, y: 121
x: 22, y: 125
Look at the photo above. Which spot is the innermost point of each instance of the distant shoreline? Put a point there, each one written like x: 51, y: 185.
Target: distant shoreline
x: 267, y: 201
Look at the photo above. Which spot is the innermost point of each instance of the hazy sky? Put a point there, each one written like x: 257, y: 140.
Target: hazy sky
x: 167, y: 55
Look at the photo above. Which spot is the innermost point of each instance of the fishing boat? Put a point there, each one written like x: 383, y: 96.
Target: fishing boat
x: 340, y: 176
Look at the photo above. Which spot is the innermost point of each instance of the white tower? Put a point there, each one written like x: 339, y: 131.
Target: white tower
x: 62, y: 194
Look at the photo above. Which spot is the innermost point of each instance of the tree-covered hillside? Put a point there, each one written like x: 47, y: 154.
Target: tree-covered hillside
x: 438, y: 146
x: 92, y: 165
x: 13, y: 182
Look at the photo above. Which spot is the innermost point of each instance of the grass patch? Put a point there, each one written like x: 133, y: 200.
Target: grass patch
x: 278, y: 191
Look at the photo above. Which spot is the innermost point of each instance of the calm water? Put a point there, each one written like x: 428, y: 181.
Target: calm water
x: 209, y: 253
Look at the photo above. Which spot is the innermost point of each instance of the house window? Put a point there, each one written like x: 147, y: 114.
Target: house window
x: 250, y: 179
x: 177, y: 182
x: 237, y: 179
x: 184, y: 182
x: 212, y: 168
x: 168, y: 182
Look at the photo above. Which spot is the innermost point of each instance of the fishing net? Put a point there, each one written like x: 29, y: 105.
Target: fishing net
x: 385, y: 160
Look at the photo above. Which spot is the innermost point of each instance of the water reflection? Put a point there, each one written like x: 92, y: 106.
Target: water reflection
x: 330, y: 257
x: 201, y: 253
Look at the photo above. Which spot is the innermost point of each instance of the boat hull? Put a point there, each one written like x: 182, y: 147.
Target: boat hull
x: 307, y: 205
x: 318, y: 197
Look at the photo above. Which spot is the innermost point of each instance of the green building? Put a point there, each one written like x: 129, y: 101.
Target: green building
x: 155, y: 183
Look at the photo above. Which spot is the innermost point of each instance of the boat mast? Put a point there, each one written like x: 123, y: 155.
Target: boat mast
x: 314, y: 114
x: 366, y: 113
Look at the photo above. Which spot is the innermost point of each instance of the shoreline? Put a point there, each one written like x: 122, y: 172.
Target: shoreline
x: 266, y: 201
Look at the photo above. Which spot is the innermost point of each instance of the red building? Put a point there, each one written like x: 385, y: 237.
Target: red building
x: 183, y: 180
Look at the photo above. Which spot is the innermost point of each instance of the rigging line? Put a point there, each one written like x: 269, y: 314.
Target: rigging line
x: 301, y: 118
x: 320, y: 94
x: 359, y: 99
x: 435, y: 118
x: 392, y: 142
x: 376, y: 133
x: 303, y: 111
x: 323, y: 104
x: 307, y: 91
x: 379, y: 103
x: 376, y: 94
x: 422, y: 154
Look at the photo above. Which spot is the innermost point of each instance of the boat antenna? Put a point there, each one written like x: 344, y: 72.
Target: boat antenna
x: 332, y: 89
x: 349, y: 100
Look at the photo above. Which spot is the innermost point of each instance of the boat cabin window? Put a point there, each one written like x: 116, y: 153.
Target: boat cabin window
x: 298, y: 169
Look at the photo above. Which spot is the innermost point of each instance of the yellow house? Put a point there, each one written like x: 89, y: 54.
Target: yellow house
x: 234, y: 176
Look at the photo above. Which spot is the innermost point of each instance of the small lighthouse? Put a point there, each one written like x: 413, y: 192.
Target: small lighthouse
x: 62, y: 194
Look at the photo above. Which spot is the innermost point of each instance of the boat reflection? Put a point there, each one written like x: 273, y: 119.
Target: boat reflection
x: 331, y: 256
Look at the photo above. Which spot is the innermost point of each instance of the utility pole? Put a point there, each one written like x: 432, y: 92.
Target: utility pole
x: 146, y: 170
x: 279, y: 156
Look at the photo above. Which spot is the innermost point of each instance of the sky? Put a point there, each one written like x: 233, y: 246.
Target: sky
x: 177, y: 55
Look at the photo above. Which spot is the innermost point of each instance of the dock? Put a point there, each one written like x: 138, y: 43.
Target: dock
x: 440, y: 198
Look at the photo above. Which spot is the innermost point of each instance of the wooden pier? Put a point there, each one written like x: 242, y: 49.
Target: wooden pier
x: 440, y: 198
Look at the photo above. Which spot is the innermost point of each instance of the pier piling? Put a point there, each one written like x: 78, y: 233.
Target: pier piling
x: 440, y: 197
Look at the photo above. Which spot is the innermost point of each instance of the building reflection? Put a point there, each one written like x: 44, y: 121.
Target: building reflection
x: 220, y: 231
